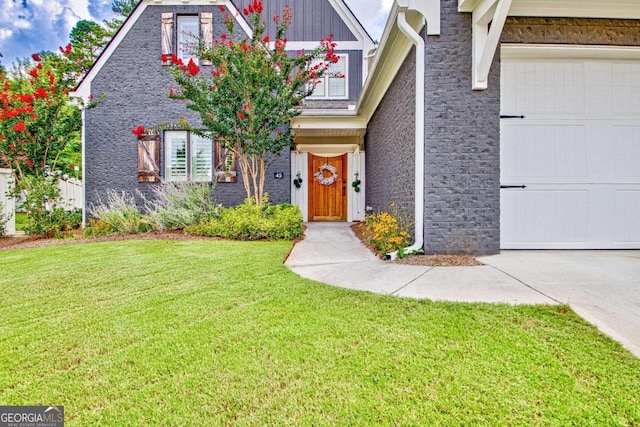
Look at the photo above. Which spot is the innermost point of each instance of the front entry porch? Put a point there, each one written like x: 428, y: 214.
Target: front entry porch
x: 329, y: 182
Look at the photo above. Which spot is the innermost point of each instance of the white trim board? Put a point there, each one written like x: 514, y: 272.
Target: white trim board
x: 614, y: 9
x: 533, y: 51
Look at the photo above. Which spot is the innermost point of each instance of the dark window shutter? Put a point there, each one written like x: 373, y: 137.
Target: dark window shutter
x: 206, y: 31
x: 167, y: 36
x: 149, y: 158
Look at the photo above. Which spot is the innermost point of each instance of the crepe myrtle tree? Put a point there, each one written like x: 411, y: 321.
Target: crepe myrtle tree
x: 37, y: 116
x: 252, y: 91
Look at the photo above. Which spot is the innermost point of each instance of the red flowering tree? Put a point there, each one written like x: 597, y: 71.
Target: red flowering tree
x: 37, y: 118
x: 249, y: 96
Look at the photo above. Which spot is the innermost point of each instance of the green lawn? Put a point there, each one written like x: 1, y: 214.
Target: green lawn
x: 21, y: 220
x: 201, y: 333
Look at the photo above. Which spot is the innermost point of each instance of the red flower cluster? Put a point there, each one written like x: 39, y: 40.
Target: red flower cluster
x: 193, y: 68
x: 139, y: 131
x: 36, y: 57
x: 281, y: 44
x: 190, y: 68
x: 329, y: 45
x: 40, y: 93
x: 256, y: 7
x: 19, y: 127
x: 67, y: 49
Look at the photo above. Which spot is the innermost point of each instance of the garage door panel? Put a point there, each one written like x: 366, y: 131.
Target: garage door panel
x: 626, y: 88
x: 542, y: 216
x: 543, y: 153
x: 545, y: 89
x: 627, y: 220
x: 625, y: 147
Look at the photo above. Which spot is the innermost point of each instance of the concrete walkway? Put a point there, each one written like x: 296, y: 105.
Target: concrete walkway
x: 601, y: 286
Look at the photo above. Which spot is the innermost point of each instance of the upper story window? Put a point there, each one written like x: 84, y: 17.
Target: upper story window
x: 180, y: 34
x: 335, y: 82
x: 188, y: 157
x: 188, y: 31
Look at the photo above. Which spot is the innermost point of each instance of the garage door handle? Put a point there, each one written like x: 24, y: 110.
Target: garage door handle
x: 504, y: 116
x: 513, y: 186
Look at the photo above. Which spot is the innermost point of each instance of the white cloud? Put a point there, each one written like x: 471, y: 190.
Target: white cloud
x: 29, y: 26
x: 372, y: 14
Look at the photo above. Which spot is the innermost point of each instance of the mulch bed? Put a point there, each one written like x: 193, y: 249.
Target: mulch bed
x: 423, y: 260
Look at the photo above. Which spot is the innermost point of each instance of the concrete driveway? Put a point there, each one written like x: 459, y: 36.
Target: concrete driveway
x: 601, y: 286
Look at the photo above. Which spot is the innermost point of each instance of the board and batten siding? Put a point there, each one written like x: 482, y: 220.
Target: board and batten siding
x: 312, y: 19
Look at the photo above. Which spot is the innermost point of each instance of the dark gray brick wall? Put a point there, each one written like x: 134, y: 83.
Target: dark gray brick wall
x: 389, y: 145
x: 462, y: 205
x: 136, y: 85
x: 620, y: 32
x: 462, y: 167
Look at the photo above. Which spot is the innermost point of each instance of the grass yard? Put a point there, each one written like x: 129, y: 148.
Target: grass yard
x: 21, y: 220
x: 215, y: 333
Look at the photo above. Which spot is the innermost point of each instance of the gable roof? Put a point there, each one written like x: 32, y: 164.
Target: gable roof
x: 83, y: 89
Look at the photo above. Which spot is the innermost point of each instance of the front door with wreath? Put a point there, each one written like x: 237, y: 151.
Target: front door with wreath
x: 327, y: 188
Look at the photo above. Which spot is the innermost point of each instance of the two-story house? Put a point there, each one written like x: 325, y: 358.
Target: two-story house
x: 496, y: 123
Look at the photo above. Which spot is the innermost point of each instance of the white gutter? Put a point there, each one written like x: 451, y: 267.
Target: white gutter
x: 418, y: 42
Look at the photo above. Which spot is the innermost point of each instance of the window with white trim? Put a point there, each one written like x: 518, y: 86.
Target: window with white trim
x: 334, y: 84
x: 188, y: 157
x: 188, y: 31
x: 180, y: 35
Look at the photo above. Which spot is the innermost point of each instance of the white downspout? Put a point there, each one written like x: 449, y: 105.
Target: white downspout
x: 418, y: 42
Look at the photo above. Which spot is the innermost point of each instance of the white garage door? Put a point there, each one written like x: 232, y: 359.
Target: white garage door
x: 576, y: 151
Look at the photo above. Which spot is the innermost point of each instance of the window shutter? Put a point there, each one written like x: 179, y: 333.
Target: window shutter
x: 149, y: 158
x: 206, y: 31
x: 167, y: 36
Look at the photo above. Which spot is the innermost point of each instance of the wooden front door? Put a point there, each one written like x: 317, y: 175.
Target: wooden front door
x: 327, y: 188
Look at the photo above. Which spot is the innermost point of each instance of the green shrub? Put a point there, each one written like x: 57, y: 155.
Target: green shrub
x: 45, y: 215
x: 98, y: 228
x: 121, y: 213
x: 178, y: 205
x: 249, y: 221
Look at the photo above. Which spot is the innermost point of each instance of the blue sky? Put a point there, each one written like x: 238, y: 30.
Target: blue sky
x: 29, y: 26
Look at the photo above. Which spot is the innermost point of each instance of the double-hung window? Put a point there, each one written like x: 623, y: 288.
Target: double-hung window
x: 180, y: 35
x: 188, y: 157
x: 334, y: 83
x: 188, y: 31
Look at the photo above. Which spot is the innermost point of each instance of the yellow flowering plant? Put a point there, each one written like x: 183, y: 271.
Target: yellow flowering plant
x: 387, y: 231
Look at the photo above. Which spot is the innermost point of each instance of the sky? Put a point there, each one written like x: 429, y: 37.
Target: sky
x: 30, y: 26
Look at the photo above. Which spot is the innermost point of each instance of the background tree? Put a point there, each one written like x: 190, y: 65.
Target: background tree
x: 122, y: 9
x: 251, y: 95
x: 87, y: 40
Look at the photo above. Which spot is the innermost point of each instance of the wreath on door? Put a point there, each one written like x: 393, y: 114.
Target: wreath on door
x: 326, y: 180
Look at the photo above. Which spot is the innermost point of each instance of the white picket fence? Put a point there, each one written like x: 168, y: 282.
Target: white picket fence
x: 7, y: 202
x: 71, y: 191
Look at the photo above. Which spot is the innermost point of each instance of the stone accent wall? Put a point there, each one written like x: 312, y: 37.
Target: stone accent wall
x: 389, y: 144
x: 136, y: 85
x: 619, y: 32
